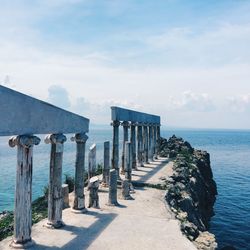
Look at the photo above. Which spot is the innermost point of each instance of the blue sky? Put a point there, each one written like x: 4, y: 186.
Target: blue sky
x: 187, y: 60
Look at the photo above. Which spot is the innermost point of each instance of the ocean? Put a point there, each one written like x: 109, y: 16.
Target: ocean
x: 230, y: 160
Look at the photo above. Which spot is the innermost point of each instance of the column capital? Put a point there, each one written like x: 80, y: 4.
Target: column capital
x: 139, y: 124
x: 79, y: 138
x: 55, y: 138
x: 125, y: 124
x: 26, y: 141
x: 115, y: 123
x: 132, y: 124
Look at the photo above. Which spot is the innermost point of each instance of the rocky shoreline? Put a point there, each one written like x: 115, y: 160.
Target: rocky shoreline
x: 191, y: 190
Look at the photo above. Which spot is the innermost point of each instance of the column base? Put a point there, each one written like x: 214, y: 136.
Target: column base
x: 79, y: 211
x: 105, y: 185
x: 17, y: 245
x: 114, y: 204
x: 54, y: 225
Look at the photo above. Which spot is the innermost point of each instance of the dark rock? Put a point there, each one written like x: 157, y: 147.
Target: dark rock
x: 190, y: 229
x: 192, y: 190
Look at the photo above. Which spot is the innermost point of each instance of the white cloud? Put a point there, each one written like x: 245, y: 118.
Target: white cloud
x: 193, y: 102
x: 240, y: 104
x: 59, y: 96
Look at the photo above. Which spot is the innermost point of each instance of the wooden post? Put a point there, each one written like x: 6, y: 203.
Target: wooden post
x: 145, y: 136
x: 79, y: 198
x: 23, y: 195
x: 92, y: 161
x: 125, y: 138
x: 115, y: 152
x: 133, y: 145
x: 106, y: 166
x: 139, y: 146
x: 55, y: 201
x: 113, y: 188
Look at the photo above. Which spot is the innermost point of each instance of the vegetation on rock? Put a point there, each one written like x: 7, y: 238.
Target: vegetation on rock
x: 191, y: 190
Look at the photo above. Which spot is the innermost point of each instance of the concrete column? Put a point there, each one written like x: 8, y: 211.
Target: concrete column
x: 106, y: 166
x: 113, y: 188
x: 158, y: 136
x: 79, y: 198
x: 139, y: 146
x: 23, y: 194
x: 125, y: 138
x: 55, y: 201
x: 128, y: 161
x: 145, y: 136
x: 154, y: 141
x: 133, y: 145
x: 150, y: 140
x: 115, y: 152
x: 92, y: 161
x: 93, y: 187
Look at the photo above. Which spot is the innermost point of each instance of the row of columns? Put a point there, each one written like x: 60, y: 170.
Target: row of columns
x: 146, y: 143
x: 24, y: 169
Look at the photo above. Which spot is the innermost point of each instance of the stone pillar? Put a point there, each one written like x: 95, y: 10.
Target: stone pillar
x: 79, y: 198
x: 155, y: 141
x: 23, y: 195
x: 158, y: 136
x: 133, y: 145
x: 145, y: 136
x: 139, y: 146
x: 150, y: 144
x: 113, y: 188
x: 125, y: 138
x: 65, y: 195
x: 115, y: 152
x: 92, y: 161
x: 106, y: 166
x: 55, y: 201
x: 93, y: 187
x: 128, y: 161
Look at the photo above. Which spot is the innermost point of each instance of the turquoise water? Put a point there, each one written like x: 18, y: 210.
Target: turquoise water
x: 230, y: 158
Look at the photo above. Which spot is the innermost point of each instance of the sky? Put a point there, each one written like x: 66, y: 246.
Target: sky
x: 185, y: 60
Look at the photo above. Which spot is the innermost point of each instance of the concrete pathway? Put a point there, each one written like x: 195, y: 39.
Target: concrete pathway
x: 143, y: 223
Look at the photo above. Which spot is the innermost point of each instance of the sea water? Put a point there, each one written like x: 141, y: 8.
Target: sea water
x: 230, y: 160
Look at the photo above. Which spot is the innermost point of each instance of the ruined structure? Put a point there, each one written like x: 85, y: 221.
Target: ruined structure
x: 24, y: 116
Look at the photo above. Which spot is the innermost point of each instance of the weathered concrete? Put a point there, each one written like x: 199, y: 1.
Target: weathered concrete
x: 92, y: 161
x: 139, y: 146
x: 125, y: 138
x: 55, y: 201
x: 150, y: 143
x: 93, y: 187
x: 121, y: 114
x: 35, y: 116
x: 23, y: 195
x: 65, y: 195
x: 112, y: 199
x: 145, y: 141
x: 115, y: 151
x: 128, y: 161
x: 133, y: 145
x: 79, y: 198
x: 106, y: 165
x: 143, y: 223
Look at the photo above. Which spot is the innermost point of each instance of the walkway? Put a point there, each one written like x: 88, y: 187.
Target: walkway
x: 144, y: 223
